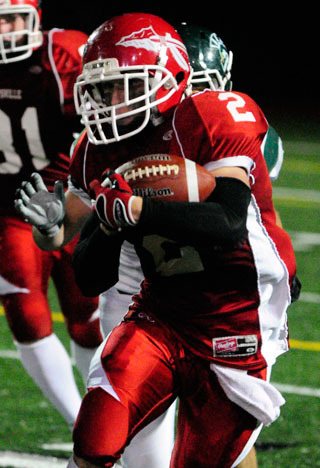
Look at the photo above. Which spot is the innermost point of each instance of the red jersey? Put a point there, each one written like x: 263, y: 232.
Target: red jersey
x: 37, y: 115
x: 225, y: 305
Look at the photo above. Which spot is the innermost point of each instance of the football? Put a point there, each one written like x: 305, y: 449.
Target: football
x: 167, y: 177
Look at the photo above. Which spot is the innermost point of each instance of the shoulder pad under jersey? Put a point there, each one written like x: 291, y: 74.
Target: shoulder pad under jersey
x: 65, y: 47
x: 224, y: 124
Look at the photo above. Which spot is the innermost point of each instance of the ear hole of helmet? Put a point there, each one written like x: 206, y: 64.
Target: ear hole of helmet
x: 179, y: 77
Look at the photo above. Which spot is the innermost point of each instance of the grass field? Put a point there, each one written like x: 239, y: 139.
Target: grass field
x: 29, y: 423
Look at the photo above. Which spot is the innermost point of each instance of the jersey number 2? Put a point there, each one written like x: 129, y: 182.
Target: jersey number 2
x: 236, y: 106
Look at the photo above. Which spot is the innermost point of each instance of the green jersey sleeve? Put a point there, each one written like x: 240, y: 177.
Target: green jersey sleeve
x: 272, y: 150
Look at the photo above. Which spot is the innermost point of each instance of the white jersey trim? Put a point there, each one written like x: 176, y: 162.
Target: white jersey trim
x: 232, y: 161
x: 53, y: 64
x: 273, y: 286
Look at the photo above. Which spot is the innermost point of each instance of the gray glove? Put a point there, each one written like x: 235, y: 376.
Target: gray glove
x: 44, y: 210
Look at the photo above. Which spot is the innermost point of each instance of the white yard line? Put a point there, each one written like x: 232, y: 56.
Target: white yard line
x: 63, y: 447
x: 301, y: 147
x: 311, y: 298
x: 304, y: 241
x: 297, y: 390
x: 296, y: 194
x: 9, y: 354
x: 26, y: 460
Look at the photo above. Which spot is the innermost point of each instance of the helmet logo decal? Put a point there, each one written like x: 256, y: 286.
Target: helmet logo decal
x: 147, y: 38
x: 217, y: 43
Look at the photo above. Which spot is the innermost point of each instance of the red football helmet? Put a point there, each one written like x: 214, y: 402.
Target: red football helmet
x: 136, y: 68
x: 18, y: 44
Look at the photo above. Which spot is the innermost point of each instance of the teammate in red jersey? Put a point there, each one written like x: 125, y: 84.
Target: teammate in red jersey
x: 210, y: 318
x: 37, y: 72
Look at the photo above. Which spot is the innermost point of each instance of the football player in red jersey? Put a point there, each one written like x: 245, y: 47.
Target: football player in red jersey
x: 211, y: 64
x: 62, y: 64
x: 37, y: 121
x: 210, y: 318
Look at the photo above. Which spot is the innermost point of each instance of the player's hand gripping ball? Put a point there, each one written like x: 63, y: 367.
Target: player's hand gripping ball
x: 113, y: 200
x: 167, y: 177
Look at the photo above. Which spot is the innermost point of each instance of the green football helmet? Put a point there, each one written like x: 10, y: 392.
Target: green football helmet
x: 210, y: 60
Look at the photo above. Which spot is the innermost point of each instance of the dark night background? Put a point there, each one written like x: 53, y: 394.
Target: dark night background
x: 275, y: 51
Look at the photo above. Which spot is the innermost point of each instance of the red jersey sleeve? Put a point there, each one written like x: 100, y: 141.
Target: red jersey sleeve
x: 227, y: 128
x: 64, y: 57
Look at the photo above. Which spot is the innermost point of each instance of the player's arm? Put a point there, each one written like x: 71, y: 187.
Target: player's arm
x: 76, y: 213
x: 221, y: 219
x: 96, y: 257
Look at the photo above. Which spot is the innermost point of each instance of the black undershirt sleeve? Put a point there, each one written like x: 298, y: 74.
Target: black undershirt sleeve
x: 96, y: 258
x: 220, y: 219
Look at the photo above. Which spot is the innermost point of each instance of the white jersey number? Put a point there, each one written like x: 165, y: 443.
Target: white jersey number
x: 235, y: 106
x: 11, y: 162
